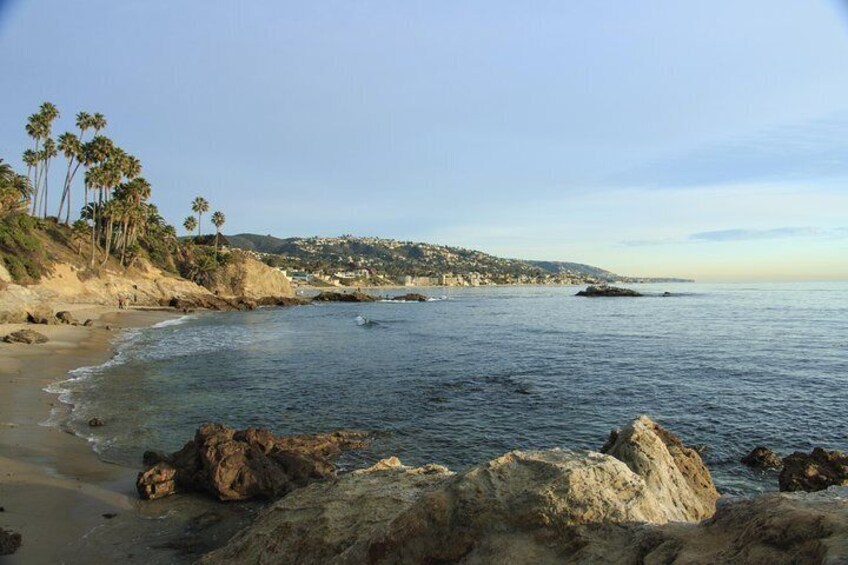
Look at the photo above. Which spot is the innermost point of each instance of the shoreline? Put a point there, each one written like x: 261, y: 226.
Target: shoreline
x: 54, y: 488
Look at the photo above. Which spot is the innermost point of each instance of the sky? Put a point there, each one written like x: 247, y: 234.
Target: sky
x: 698, y: 139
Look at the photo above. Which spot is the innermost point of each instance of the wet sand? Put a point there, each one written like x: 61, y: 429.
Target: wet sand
x: 53, y: 488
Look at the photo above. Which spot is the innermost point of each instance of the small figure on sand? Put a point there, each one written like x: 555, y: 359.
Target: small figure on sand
x: 120, y: 302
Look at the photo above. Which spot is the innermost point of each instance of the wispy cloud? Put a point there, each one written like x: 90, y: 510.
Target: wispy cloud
x: 741, y: 234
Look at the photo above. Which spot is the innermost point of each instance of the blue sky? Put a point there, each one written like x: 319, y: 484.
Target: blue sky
x: 703, y: 139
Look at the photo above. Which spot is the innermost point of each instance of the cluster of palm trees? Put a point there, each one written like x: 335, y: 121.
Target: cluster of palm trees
x: 200, y: 206
x: 115, y: 212
x: 14, y: 189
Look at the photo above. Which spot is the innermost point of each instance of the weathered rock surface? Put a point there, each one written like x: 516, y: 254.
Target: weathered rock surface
x: 281, y: 301
x: 814, y: 471
x: 762, y: 458
x: 9, y: 542
x: 239, y: 465
x: 66, y: 317
x: 550, y: 506
x: 344, y: 297
x: 593, y: 291
x: 25, y: 336
x: 411, y: 297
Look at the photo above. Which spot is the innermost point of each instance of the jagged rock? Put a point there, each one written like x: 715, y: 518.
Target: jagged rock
x: 96, y: 423
x: 523, y: 507
x: 33, y: 318
x: 88, y: 323
x: 238, y: 465
x: 762, y: 458
x: 9, y: 542
x: 814, y: 471
x: 411, y: 297
x: 344, y: 297
x: 281, y: 301
x: 25, y: 336
x: 66, y: 317
x: 593, y: 291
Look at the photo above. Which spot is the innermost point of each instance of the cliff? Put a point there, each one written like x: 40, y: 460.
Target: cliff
x: 246, y: 277
x: 647, y: 499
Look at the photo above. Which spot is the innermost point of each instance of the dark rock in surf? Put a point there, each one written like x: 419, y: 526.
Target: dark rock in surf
x: 25, y: 336
x: 96, y: 423
x: 814, y: 471
x: 344, y: 297
x: 411, y: 297
x: 10, y: 542
x: 594, y: 291
x: 66, y: 317
x: 239, y: 465
x: 762, y: 458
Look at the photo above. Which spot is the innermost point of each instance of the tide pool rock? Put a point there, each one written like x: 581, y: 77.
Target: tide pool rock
x: 240, y: 465
x: 343, y: 297
x: 26, y: 336
x: 10, y: 542
x: 762, y: 458
x: 814, y: 471
x: 411, y: 297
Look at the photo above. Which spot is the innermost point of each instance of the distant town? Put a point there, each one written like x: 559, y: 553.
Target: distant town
x: 350, y: 261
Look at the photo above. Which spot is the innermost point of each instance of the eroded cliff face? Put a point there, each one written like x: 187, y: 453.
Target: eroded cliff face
x: 246, y: 277
x: 648, y: 499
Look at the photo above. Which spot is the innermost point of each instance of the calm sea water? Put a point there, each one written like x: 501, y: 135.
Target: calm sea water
x: 486, y: 370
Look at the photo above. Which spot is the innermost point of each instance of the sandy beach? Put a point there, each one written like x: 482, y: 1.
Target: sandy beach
x: 53, y: 488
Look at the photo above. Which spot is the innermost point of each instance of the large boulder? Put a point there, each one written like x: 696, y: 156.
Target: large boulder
x: 239, y: 465
x: 523, y: 507
x: 9, y: 542
x: 411, y: 297
x: 595, y: 291
x: 762, y: 458
x: 814, y: 471
x: 344, y: 297
x: 25, y: 336
x: 66, y: 317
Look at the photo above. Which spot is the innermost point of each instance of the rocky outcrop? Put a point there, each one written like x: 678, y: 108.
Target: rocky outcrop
x: 344, y: 297
x: 66, y: 317
x: 239, y: 465
x: 246, y: 277
x: 814, y: 471
x: 762, y: 458
x: 188, y: 303
x: 411, y: 297
x: 550, y: 506
x: 9, y: 542
x: 595, y: 291
x: 281, y: 301
x: 25, y: 336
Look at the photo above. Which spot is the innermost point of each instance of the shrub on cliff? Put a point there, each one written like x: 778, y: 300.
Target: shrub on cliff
x: 20, y: 248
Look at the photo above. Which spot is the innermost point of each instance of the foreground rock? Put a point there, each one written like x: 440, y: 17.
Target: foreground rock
x: 762, y: 458
x: 344, y: 297
x: 239, y: 465
x: 411, y: 297
x: 549, y: 506
x: 9, y: 542
x: 66, y: 317
x: 814, y: 471
x: 25, y: 336
x: 594, y: 291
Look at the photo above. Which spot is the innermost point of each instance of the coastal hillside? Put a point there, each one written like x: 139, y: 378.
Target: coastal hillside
x: 393, y: 260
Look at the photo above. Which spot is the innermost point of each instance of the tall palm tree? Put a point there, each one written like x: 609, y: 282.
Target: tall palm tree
x: 218, y: 220
x: 71, y: 147
x: 199, y: 206
x: 190, y: 224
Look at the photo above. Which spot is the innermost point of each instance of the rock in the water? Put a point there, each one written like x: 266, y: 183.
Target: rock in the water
x: 238, y: 465
x: 34, y: 318
x: 411, y: 297
x: 25, y: 336
x: 344, y: 297
x: 762, y: 458
x: 523, y: 507
x: 814, y: 471
x: 66, y: 317
x: 593, y: 291
x: 95, y: 422
x: 9, y: 542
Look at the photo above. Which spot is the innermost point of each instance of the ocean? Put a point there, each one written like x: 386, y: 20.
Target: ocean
x: 477, y: 372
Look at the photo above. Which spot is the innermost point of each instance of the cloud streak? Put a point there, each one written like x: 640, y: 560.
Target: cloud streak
x: 741, y: 234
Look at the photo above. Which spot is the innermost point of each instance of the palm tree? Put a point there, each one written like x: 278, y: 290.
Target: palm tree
x: 38, y: 127
x: 199, y: 206
x: 190, y: 224
x: 218, y: 220
x: 70, y: 146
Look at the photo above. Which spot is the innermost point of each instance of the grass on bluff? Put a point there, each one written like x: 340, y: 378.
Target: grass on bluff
x: 24, y: 242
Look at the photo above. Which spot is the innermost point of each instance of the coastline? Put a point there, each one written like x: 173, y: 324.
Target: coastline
x: 53, y: 487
